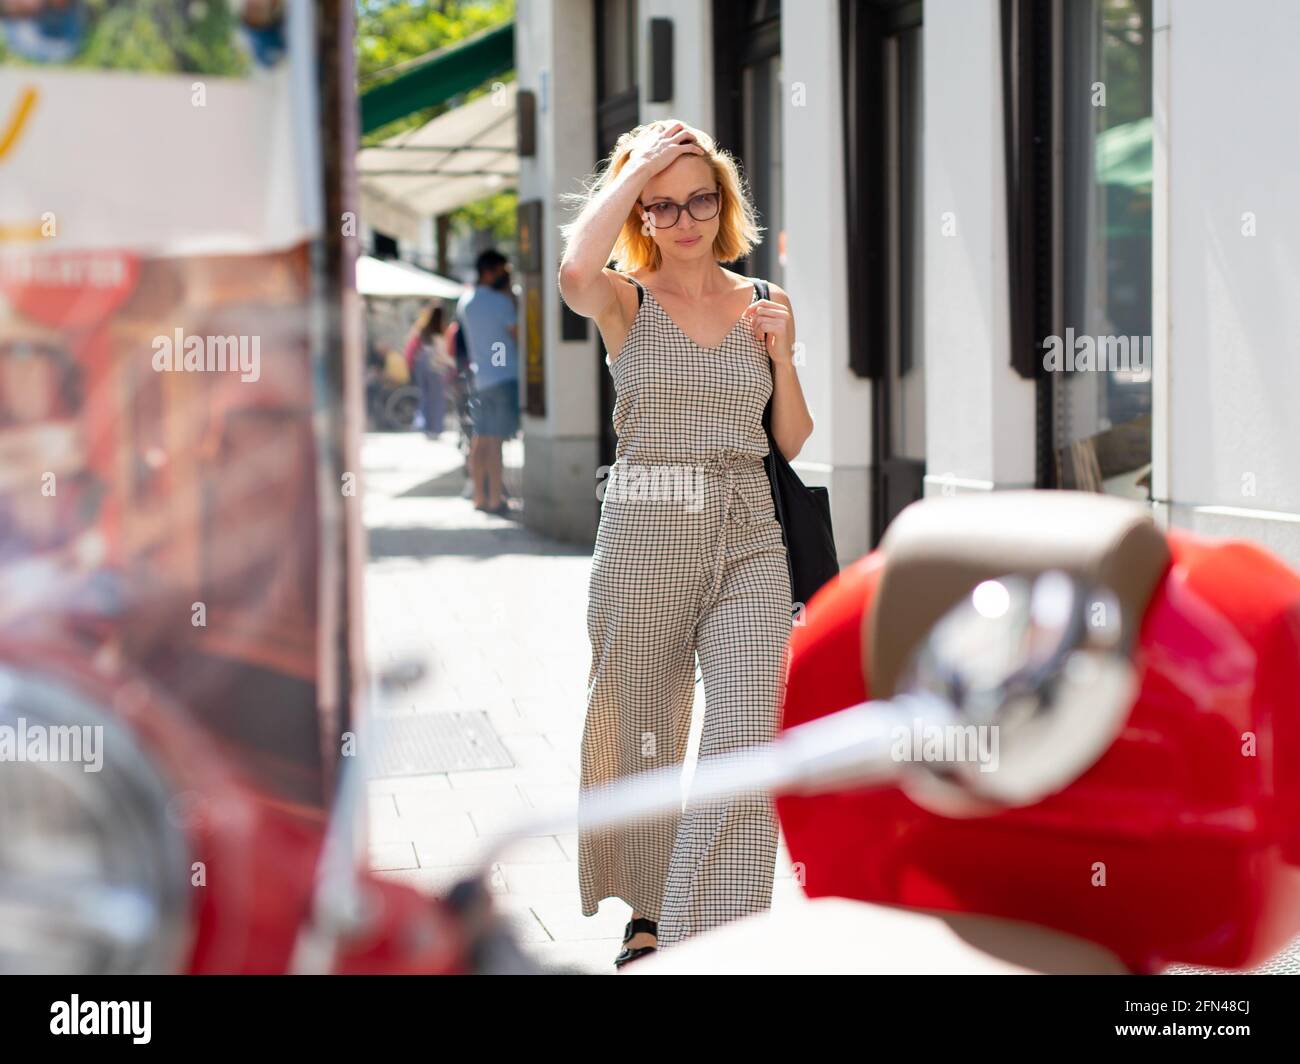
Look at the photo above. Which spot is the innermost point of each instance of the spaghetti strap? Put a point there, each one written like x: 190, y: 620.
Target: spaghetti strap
x: 640, y: 289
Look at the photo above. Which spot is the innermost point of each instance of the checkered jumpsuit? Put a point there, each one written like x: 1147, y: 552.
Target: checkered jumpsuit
x: 689, y: 559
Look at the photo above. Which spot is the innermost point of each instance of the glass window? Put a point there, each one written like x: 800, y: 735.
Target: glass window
x: 1103, y: 407
x: 763, y: 93
x: 618, y: 66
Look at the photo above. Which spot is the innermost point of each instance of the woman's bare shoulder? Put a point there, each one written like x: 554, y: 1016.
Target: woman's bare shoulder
x: 619, y: 277
x: 642, y: 276
x: 617, y: 320
x: 625, y: 291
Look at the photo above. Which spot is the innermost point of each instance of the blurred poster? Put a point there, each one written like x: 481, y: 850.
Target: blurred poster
x: 160, y: 188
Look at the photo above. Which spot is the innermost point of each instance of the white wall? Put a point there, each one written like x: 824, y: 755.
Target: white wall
x: 555, y: 57
x: 979, y: 414
x: 692, y: 100
x: 838, y: 454
x: 1233, y: 374
x: 1227, y: 319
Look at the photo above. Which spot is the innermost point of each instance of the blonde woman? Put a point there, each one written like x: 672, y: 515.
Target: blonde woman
x: 689, y: 557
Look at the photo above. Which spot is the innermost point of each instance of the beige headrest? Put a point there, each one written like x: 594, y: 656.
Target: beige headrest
x: 937, y: 550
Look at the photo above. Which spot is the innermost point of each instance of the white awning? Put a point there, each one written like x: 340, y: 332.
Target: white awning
x: 388, y: 279
x: 459, y: 157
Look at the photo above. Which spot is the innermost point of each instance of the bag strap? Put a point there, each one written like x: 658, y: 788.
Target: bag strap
x: 640, y: 291
x: 764, y: 292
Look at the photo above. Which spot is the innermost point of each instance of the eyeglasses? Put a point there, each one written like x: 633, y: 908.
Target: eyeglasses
x: 666, y: 213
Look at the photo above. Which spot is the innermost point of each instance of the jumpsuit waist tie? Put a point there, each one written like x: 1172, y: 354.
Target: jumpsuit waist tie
x: 727, y: 463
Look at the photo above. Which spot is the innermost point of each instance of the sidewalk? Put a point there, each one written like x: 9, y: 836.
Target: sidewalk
x: 497, y: 614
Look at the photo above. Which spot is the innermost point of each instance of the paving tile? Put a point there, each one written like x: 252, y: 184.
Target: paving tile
x: 532, y: 752
x: 548, y: 796
x: 434, y: 829
x: 433, y: 784
x: 530, y: 879
x: 461, y: 800
x: 498, y: 619
x: 490, y: 823
x: 569, y: 844
x: 540, y: 849
x: 586, y: 958
x: 523, y: 919
x: 392, y: 855
x: 381, y: 807
x: 436, y: 881
x: 562, y: 917
x: 509, y: 777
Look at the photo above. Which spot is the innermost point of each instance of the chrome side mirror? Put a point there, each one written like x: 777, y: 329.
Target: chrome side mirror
x: 1041, y: 686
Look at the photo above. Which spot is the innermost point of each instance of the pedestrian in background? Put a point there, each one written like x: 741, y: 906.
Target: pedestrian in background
x: 460, y: 386
x: 489, y: 321
x: 426, y: 355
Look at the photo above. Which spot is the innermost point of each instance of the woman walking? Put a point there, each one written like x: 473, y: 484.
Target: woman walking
x: 426, y: 355
x: 689, y: 556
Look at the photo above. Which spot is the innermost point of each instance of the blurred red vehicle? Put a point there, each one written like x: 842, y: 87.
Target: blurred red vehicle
x: 1182, y: 843
x: 180, y: 549
x: 180, y: 567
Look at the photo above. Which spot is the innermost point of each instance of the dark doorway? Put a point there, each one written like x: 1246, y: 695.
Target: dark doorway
x: 883, y: 131
x: 749, y: 93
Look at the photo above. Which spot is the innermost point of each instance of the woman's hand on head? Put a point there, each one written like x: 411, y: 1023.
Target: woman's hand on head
x: 658, y: 147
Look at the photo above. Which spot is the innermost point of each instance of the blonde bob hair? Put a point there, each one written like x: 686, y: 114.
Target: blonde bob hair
x: 738, y: 228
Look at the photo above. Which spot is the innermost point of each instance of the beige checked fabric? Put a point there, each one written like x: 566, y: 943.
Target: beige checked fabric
x: 689, y: 560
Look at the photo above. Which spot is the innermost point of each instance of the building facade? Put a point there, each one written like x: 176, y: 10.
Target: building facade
x: 1029, y: 243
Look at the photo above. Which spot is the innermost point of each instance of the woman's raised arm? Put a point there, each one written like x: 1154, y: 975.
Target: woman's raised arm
x: 585, y: 286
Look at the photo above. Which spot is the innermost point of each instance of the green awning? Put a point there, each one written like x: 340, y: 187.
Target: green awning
x: 440, y: 76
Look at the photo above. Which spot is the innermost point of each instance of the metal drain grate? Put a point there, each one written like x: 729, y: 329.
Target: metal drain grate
x: 436, y: 742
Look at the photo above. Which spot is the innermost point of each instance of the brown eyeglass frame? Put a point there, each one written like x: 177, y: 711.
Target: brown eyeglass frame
x: 716, y: 194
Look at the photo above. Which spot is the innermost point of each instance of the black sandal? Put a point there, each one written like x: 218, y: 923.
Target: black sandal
x: 635, y: 927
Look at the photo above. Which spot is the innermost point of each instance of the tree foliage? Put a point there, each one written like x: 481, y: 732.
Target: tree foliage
x: 156, y: 37
x: 392, y: 32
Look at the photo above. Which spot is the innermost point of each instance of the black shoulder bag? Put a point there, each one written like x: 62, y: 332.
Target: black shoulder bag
x: 804, y: 513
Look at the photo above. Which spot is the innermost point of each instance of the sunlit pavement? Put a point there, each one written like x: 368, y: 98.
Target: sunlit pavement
x: 497, y: 613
